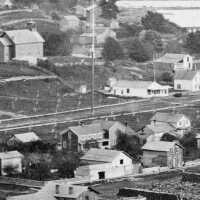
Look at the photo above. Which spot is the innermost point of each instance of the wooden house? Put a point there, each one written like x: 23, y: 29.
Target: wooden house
x: 162, y: 154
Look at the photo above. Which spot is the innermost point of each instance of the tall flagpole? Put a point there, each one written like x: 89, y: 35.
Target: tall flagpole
x: 93, y: 57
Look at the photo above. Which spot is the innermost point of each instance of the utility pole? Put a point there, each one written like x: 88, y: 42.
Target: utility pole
x: 93, y: 57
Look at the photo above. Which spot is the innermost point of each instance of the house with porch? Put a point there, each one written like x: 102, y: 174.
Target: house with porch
x: 175, y: 62
x: 101, y: 134
x: 187, y: 80
x: 163, y: 154
x: 105, y: 164
x: 143, y: 89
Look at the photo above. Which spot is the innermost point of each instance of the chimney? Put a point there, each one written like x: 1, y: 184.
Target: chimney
x: 71, y: 190
x: 31, y: 25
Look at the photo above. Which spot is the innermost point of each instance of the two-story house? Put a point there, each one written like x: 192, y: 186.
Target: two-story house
x: 187, y: 80
x: 104, y: 164
x: 162, y: 154
x: 180, y: 122
x: 175, y: 61
x: 102, y: 134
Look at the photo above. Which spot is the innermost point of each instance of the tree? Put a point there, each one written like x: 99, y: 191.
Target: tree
x: 130, y: 144
x: 109, y: 9
x: 137, y: 51
x: 193, y: 42
x: 157, y: 22
x: 167, y: 77
x: 112, y: 50
x: 57, y: 44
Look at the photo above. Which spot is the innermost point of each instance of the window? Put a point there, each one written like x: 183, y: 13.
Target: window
x: 101, y: 175
x: 106, y: 135
x: 178, y: 86
x: 105, y: 143
x: 121, y: 162
x: 122, y: 92
x: 188, y: 59
x: 57, y: 189
x: 128, y: 90
x: 86, y: 197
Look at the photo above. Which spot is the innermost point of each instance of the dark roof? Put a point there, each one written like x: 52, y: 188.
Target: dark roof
x: 159, y: 146
x: 185, y: 75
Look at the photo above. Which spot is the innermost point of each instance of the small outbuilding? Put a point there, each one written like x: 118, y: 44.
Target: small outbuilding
x: 12, y: 159
x: 105, y: 164
x: 160, y: 153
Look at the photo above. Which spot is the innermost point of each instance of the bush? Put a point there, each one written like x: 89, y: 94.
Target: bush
x: 167, y: 77
x: 193, y: 42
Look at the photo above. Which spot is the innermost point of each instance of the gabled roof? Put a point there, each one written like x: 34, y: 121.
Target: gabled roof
x: 160, y: 128
x: 10, y: 154
x: 5, y: 41
x: 101, y: 155
x: 185, y: 75
x: 94, y: 128
x: 171, y: 58
x: 171, y: 118
x: 24, y: 36
x: 27, y: 137
x: 159, y: 146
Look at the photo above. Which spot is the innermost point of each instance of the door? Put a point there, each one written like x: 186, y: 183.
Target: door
x: 101, y: 175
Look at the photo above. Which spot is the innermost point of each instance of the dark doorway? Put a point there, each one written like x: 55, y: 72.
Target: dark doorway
x: 101, y: 175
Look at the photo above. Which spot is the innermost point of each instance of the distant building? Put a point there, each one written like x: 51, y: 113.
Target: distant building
x: 175, y: 61
x: 11, y: 159
x: 59, y: 190
x: 105, y: 164
x: 21, y: 44
x: 102, y: 134
x: 162, y: 154
x: 23, y: 138
x: 69, y: 22
x: 142, y: 89
x: 187, y: 80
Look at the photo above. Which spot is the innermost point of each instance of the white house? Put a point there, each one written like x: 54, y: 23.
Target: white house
x: 69, y: 22
x: 187, y: 80
x: 142, y: 89
x: 105, y: 164
x: 176, y: 61
x: 11, y: 159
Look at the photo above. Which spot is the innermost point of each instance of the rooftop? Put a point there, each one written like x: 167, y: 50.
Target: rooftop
x: 158, y: 146
x: 10, y: 154
x: 167, y: 117
x: 101, y: 155
x: 171, y: 58
x: 24, y: 36
x: 27, y: 137
x: 94, y: 128
x: 185, y: 75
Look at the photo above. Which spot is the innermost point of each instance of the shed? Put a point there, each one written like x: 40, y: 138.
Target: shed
x: 105, y: 164
x: 11, y: 159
